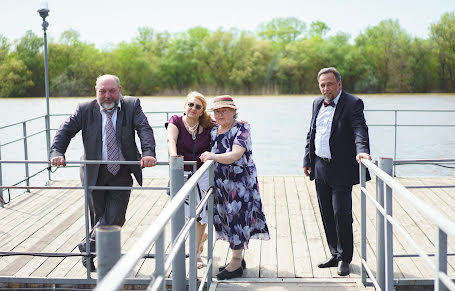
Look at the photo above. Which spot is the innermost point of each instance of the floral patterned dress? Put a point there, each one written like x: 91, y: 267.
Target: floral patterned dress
x: 238, y: 214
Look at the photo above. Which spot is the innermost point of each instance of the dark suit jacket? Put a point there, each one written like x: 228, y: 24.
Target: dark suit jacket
x: 130, y: 119
x: 348, y: 137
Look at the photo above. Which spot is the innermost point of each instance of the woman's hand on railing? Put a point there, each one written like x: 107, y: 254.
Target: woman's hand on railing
x: 58, y: 161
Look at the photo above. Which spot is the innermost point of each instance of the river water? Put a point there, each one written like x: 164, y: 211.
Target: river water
x: 279, y: 127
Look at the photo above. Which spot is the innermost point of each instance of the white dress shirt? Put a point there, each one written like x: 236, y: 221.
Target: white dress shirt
x: 103, y: 129
x: 323, y: 129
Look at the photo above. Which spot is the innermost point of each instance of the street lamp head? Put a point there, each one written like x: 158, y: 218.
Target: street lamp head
x: 44, y: 12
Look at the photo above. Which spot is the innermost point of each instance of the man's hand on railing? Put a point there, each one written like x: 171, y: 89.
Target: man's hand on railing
x: 362, y: 156
x: 58, y: 161
x: 148, y: 161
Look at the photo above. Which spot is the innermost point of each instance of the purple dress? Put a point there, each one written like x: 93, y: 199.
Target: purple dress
x: 185, y: 142
x: 238, y: 214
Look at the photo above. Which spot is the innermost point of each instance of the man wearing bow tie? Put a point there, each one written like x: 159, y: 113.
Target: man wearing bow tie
x: 336, y: 141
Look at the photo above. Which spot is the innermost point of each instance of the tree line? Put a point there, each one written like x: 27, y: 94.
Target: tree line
x: 282, y: 57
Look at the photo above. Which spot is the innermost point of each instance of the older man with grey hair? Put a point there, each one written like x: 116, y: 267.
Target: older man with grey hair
x: 108, y: 124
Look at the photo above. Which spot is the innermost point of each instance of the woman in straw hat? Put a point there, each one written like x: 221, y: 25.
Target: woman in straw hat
x: 238, y: 214
x: 189, y: 136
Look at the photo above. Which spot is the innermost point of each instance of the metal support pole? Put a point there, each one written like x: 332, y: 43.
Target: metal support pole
x: 363, y: 224
x: 2, y: 202
x: 380, y: 244
x: 387, y: 166
x: 441, y: 259
x: 178, y: 220
x: 87, y: 232
x: 210, y: 226
x: 107, y: 248
x: 395, y: 142
x: 159, y: 260
x: 44, y: 12
x: 193, y: 241
x: 27, y: 175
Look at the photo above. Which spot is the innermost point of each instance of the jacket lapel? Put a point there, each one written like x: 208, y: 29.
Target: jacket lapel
x: 119, y: 122
x: 337, y: 114
x: 316, y: 112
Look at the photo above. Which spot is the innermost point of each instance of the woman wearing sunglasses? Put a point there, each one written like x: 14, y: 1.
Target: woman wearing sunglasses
x: 188, y: 135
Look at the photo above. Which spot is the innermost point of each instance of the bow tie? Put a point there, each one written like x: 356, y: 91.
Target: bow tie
x: 331, y: 103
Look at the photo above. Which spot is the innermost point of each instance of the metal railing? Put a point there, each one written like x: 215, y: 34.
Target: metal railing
x: 155, y: 234
x: 396, y: 124
x: 26, y: 135
x: 386, y: 187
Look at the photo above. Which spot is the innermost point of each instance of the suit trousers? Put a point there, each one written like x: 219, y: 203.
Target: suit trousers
x: 335, y: 205
x: 108, y: 207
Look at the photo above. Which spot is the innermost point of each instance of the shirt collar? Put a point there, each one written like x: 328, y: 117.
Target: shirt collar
x: 337, y: 98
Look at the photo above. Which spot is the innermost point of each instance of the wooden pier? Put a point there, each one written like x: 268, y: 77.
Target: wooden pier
x: 53, y: 221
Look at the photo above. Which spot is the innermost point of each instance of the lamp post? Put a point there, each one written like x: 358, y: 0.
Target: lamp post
x: 44, y: 12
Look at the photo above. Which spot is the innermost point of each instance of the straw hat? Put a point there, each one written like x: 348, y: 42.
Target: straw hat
x: 223, y: 101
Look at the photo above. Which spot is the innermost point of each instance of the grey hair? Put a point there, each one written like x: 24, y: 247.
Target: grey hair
x: 103, y: 77
x: 236, y: 114
x: 330, y: 70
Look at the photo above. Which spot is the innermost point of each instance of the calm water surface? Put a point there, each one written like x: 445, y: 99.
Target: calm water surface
x: 279, y: 127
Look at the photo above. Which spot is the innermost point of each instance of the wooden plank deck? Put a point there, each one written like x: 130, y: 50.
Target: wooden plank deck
x: 53, y: 221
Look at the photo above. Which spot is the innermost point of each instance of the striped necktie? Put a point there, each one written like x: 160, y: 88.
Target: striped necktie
x: 113, y: 151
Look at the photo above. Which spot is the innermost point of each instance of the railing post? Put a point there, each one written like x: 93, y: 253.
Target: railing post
x: 193, y: 264
x: 107, y: 248
x: 178, y: 220
x: 441, y: 259
x: 48, y: 139
x: 159, y: 260
x: 380, y: 244
x: 2, y: 202
x: 387, y: 166
x: 87, y: 232
x: 210, y: 226
x: 363, y: 224
x: 27, y: 175
x: 395, y: 141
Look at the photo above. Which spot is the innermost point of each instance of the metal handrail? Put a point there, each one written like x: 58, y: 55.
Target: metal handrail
x: 118, y: 274
x: 155, y: 233
x: 26, y: 136
x: 387, y: 185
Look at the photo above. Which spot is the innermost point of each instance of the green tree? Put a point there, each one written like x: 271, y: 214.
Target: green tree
x: 251, y: 58
x: 15, y: 78
x: 385, y: 50
x: 73, y: 66
x: 29, y: 50
x: 282, y: 31
x: 4, y: 49
x: 443, y: 34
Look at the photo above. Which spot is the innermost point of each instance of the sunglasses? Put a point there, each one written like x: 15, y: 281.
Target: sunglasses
x: 198, y: 107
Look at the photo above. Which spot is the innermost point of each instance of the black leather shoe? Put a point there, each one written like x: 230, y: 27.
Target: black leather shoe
x: 343, y: 268
x: 330, y: 262
x: 92, y: 264
x: 81, y: 248
x: 225, y: 274
x: 224, y: 267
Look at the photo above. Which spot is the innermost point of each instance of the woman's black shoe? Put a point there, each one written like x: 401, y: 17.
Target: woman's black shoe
x: 224, y: 267
x: 225, y: 274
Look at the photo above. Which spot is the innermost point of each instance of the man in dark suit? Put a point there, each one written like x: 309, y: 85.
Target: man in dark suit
x: 336, y: 141
x: 108, y: 125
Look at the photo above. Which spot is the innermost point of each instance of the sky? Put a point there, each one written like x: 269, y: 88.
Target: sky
x: 108, y: 22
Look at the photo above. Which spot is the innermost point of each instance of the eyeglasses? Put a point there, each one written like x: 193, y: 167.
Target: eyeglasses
x: 198, y: 107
